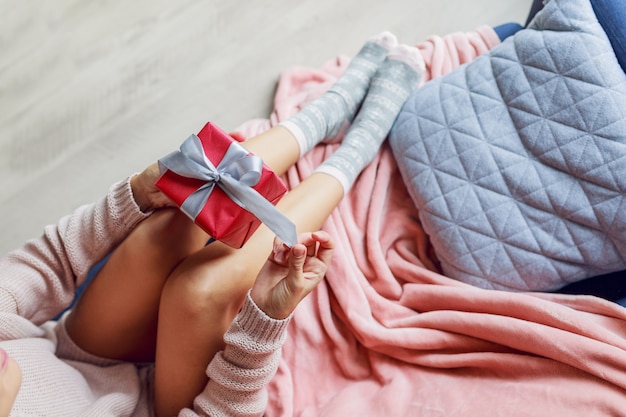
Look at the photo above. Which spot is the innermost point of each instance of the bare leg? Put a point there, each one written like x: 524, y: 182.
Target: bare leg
x: 124, y: 298
x: 202, y: 296
x: 116, y: 315
x: 277, y: 147
x: 161, y: 288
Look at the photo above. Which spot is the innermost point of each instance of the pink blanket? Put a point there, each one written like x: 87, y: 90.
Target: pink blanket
x: 386, y: 335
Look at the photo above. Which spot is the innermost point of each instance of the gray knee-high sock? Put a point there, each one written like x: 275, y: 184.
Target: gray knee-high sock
x: 391, y: 86
x: 324, y: 117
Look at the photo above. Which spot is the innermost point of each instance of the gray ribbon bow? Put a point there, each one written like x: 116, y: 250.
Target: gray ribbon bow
x: 236, y: 174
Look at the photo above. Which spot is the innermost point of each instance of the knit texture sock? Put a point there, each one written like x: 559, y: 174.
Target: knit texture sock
x: 397, y: 77
x: 324, y: 117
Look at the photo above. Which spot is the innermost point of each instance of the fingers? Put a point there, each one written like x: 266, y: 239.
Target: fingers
x: 317, y: 245
x: 292, y: 273
x: 296, y: 260
x: 326, y: 246
x: 280, y: 252
x: 300, y: 282
x: 238, y: 136
x: 311, y: 259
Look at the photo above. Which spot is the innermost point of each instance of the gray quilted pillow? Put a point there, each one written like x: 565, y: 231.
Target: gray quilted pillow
x: 517, y: 160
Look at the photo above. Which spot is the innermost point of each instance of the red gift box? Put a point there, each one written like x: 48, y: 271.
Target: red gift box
x: 221, y: 217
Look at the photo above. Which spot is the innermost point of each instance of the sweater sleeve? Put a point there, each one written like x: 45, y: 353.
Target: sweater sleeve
x: 238, y: 376
x: 38, y: 280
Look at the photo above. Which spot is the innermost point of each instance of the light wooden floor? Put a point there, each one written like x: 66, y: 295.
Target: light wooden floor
x: 93, y: 91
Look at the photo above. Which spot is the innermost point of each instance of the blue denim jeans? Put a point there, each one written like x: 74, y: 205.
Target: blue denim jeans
x: 612, y: 16
x: 507, y: 29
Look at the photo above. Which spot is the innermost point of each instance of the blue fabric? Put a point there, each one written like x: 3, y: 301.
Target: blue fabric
x: 517, y: 160
x: 612, y: 16
x: 611, y: 287
x: 507, y: 30
x: 534, y: 9
x: 81, y: 288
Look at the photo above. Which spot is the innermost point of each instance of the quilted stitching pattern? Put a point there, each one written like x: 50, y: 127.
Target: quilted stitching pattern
x: 517, y: 161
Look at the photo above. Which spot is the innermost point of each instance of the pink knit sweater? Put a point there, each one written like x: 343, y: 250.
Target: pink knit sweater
x: 38, y: 281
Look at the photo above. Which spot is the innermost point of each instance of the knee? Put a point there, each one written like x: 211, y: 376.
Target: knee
x: 206, y: 291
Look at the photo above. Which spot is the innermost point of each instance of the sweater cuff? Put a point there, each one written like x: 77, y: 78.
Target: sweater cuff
x: 258, y: 325
x: 127, y: 211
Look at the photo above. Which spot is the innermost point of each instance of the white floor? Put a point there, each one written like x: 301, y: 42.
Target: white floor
x: 93, y: 91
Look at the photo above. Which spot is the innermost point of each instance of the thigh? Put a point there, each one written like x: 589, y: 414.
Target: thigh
x: 203, y: 295
x: 116, y: 315
x: 198, y: 303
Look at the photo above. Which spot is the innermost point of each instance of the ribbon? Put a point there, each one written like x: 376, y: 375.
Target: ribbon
x: 236, y: 174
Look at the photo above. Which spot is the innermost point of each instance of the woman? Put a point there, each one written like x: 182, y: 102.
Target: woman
x: 144, y: 337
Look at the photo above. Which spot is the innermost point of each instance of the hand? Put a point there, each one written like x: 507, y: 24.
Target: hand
x: 147, y: 195
x: 290, y: 274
